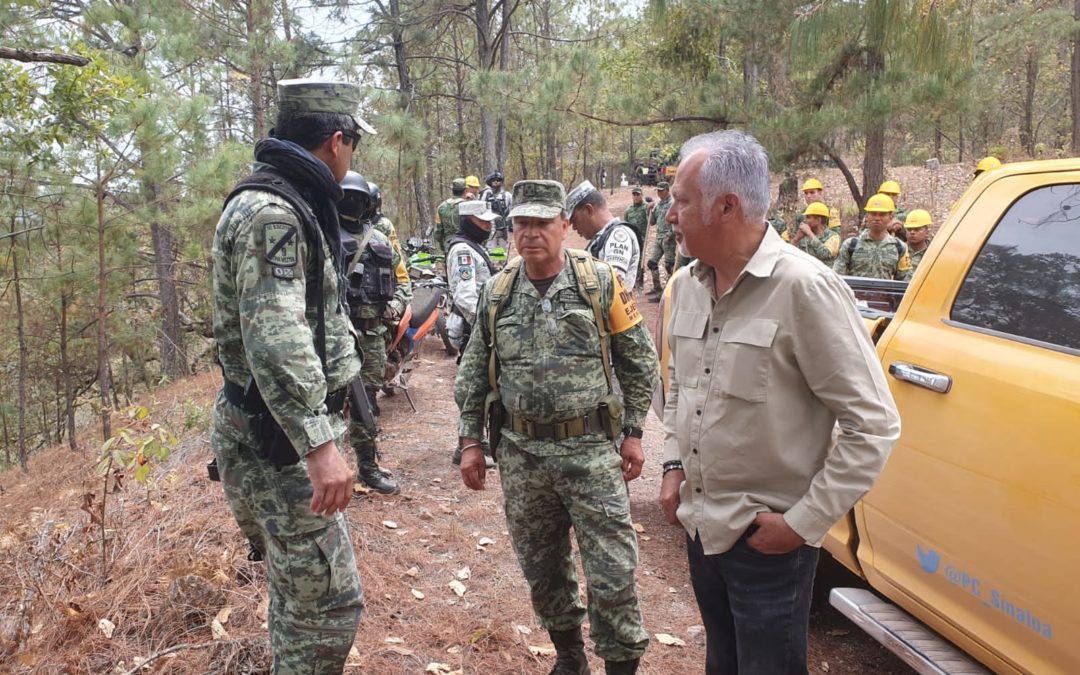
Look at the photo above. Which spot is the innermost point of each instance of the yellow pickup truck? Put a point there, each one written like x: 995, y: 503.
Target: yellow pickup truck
x: 973, y: 528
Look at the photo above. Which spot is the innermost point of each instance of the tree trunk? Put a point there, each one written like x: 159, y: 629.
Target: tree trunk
x: 874, y: 159
x: 1075, y: 81
x: 24, y: 352
x: 102, y: 315
x: 501, y: 150
x: 1027, y: 125
x: 255, y: 24
x: 405, y: 87
x: 174, y: 362
x: 65, y: 373
x: 751, y: 73
x: 485, y: 61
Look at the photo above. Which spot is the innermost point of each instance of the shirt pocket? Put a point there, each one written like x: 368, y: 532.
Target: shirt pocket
x: 513, y: 336
x: 688, y: 338
x: 745, y: 357
x: 576, y: 334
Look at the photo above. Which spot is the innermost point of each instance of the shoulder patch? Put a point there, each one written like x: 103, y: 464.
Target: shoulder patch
x: 465, y: 273
x: 464, y: 259
x: 281, y: 248
x: 620, y: 234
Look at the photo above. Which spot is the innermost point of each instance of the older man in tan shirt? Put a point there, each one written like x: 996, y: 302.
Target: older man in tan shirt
x: 768, y: 357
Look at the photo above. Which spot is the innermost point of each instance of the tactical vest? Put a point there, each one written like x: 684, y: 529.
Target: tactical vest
x: 480, y: 249
x: 497, y: 202
x: 371, y: 273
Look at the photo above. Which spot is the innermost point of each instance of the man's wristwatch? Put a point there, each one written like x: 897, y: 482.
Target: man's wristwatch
x: 632, y: 432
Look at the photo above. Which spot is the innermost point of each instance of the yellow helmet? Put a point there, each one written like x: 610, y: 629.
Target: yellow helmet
x: 472, y: 181
x: 880, y: 203
x: 917, y: 218
x: 817, y: 209
x: 987, y: 164
x: 889, y: 187
x: 812, y: 184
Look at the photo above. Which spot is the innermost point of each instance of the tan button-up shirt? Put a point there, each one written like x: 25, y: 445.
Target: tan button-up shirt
x: 759, y: 379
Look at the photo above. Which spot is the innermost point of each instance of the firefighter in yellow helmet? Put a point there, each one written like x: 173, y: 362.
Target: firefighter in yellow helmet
x: 918, y: 224
x: 813, y: 191
x: 874, y: 252
x: 987, y: 164
x: 892, y: 189
x: 813, y: 235
x: 472, y: 187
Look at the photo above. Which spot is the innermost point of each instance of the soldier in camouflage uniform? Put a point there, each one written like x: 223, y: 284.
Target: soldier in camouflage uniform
x: 557, y: 462
x: 874, y: 252
x: 446, y: 217
x: 813, y: 191
x: 287, y: 354
x: 379, y: 290
x: 637, y: 217
x: 664, y: 244
x: 382, y: 223
x: 918, y: 224
x: 815, y: 237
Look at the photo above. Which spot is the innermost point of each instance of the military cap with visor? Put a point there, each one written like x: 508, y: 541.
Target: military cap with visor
x: 478, y: 208
x: 538, y: 199
x: 583, y: 190
x: 458, y: 184
x: 636, y: 190
x: 663, y: 185
x: 309, y: 95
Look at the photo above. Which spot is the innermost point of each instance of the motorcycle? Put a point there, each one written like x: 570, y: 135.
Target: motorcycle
x: 423, y: 264
x: 420, y: 317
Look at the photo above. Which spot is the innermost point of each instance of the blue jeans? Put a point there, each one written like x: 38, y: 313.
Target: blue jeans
x: 755, y: 608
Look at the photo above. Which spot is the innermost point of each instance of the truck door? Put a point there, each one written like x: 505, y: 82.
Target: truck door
x: 973, y: 524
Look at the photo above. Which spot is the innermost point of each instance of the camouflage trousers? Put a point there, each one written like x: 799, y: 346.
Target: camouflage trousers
x: 373, y: 351
x: 314, y: 586
x: 544, y: 498
x: 663, y: 250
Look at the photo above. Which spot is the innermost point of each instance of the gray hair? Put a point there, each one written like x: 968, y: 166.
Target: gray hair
x: 735, y: 162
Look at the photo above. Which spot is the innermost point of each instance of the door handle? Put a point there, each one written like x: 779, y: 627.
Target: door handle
x: 917, y: 375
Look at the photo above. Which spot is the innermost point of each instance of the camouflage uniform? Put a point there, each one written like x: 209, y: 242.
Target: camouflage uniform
x: 664, y: 244
x: 885, y: 259
x: 446, y: 224
x: 550, y: 370
x: 384, y: 225
x: 637, y: 217
x: 823, y: 247
x: 917, y: 256
x: 260, y: 270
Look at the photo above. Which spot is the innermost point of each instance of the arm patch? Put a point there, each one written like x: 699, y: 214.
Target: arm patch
x: 281, y: 248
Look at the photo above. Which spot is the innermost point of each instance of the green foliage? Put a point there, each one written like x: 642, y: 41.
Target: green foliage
x: 137, y: 447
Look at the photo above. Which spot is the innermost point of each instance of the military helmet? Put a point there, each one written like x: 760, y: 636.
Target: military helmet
x: 472, y: 181
x: 376, y: 196
x: 987, y: 164
x: 356, y: 183
x: 889, y: 187
x: 917, y: 218
x: 494, y: 176
x: 812, y: 184
x: 817, y: 209
x: 880, y: 203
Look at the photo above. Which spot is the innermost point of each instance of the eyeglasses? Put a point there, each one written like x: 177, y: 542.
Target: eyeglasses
x: 353, y: 136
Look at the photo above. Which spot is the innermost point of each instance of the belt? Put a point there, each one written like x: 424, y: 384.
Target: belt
x: 556, y: 431
x: 251, y: 401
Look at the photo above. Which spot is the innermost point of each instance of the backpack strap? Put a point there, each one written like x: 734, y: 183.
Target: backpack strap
x: 589, y: 288
x: 269, y: 181
x: 853, y: 244
x: 500, y: 293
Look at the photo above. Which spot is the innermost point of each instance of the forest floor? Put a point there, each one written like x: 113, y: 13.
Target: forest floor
x: 172, y: 582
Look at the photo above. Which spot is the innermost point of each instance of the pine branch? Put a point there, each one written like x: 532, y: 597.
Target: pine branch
x: 720, y: 120
x: 28, y: 56
x: 852, y: 184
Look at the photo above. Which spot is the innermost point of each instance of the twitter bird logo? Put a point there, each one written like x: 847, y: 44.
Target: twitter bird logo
x: 928, y: 560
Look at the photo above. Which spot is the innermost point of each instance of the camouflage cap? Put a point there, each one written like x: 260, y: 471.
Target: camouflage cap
x: 310, y: 95
x: 663, y: 185
x: 636, y: 190
x: 583, y: 189
x: 538, y: 199
x: 458, y: 184
x: 478, y: 208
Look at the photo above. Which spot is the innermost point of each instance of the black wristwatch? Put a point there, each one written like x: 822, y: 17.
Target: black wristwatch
x: 632, y: 432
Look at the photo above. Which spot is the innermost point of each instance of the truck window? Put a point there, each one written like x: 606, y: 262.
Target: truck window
x: 1026, y: 280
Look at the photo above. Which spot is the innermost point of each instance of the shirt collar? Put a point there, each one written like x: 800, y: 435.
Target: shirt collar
x: 760, y: 265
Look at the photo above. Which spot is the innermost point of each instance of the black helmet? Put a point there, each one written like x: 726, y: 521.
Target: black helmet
x: 356, y: 204
x: 376, y: 196
x: 495, y: 176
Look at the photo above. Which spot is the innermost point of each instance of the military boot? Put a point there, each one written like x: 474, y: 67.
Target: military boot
x: 657, y: 287
x: 570, y: 656
x: 370, y: 473
x: 621, y: 667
